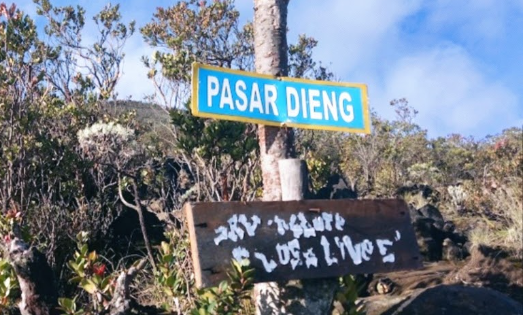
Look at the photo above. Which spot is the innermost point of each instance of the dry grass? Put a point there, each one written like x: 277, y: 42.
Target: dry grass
x: 507, y: 231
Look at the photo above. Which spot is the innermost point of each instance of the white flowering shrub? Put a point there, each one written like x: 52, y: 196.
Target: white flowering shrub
x: 458, y: 195
x: 107, y: 141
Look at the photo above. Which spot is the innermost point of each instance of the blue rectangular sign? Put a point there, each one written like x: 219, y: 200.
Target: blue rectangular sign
x: 279, y: 101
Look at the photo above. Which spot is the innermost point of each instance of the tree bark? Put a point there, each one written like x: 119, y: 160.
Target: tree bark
x: 36, y: 280
x: 270, y: 49
x: 311, y: 296
x: 121, y: 303
x: 277, y: 144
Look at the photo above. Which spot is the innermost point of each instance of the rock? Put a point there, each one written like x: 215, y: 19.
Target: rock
x: 414, y: 213
x: 449, y: 227
x: 419, y: 194
x: 336, y: 188
x: 384, y: 286
x: 451, y: 251
x: 431, y: 212
x: 429, y: 237
x: 431, y: 230
x: 457, y: 300
x: 492, y: 268
x: 378, y: 304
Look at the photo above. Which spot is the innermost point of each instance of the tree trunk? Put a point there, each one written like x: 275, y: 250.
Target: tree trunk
x: 36, y: 280
x: 311, y: 296
x: 270, y: 49
x: 121, y: 303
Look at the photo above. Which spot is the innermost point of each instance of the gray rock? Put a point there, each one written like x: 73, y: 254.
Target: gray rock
x: 431, y: 212
x: 451, y: 251
x: 457, y: 300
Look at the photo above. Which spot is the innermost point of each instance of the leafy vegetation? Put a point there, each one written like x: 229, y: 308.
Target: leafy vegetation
x: 84, y: 177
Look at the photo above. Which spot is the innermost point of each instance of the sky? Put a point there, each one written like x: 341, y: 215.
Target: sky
x: 458, y: 62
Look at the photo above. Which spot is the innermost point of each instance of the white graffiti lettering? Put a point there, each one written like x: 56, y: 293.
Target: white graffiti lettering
x: 222, y: 231
x: 240, y: 253
x: 269, y: 266
x: 310, y: 258
x: 250, y: 227
x: 327, y: 252
x: 383, y: 250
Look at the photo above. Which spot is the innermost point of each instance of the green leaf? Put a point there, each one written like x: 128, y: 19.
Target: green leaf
x: 73, y: 266
x: 92, y: 255
x: 223, y: 286
x: 67, y: 304
x: 88, y: 286
x: 84, y: 249
x: 170, y: 281
x: 167, y: 258
x: 105, y: 283
x: 166, y: 249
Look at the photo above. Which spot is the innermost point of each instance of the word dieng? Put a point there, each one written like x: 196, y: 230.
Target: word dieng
x: 252, y: 97
x: 239, y: 227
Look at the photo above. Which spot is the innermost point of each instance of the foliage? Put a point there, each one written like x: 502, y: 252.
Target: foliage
x: 228, y: 298
x: 348, y: 292
x: 90, y: 273
x: 70, y: 306
x: 496, y: 192
x: 197, y: 31
x: 101, y: 60
x: 378, y: 164
x: 174, y: 277
x: 8, y: 285
x: 68, y: 163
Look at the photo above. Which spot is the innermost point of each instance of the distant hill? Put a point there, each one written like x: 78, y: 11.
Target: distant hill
x: 146, y: 113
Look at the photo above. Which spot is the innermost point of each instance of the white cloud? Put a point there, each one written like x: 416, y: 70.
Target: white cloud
x: 451, y: 93
x: 350, y: 32
x: 134, y: 81
x: 477, y: 21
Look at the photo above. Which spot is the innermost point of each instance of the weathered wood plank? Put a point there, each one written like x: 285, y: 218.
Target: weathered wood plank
x: 301, y: 239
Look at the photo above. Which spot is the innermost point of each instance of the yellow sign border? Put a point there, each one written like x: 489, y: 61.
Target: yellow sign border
x: 194, y: 101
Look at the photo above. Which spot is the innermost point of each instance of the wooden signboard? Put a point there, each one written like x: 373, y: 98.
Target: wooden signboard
x: 286, y: 240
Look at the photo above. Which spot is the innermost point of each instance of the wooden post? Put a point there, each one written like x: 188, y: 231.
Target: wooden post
x: 293, y: 179
x: 270, y: 50
x: 285, y: 179
x: 305, y: 297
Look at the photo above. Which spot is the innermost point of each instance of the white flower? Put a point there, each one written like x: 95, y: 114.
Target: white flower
x: 103, y: 138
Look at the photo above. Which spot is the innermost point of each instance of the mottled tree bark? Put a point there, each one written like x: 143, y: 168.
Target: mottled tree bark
x: 270, y: 49
x: 36, y: 280
x: 121, y: 303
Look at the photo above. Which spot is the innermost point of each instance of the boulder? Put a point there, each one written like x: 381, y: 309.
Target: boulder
x: 431, y: 212
x: 437, y: 238
x: 429, y: 237
x: 336, y: 188
x: 492, y: 268
x: 451, y: 251
x: 457, y: 300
